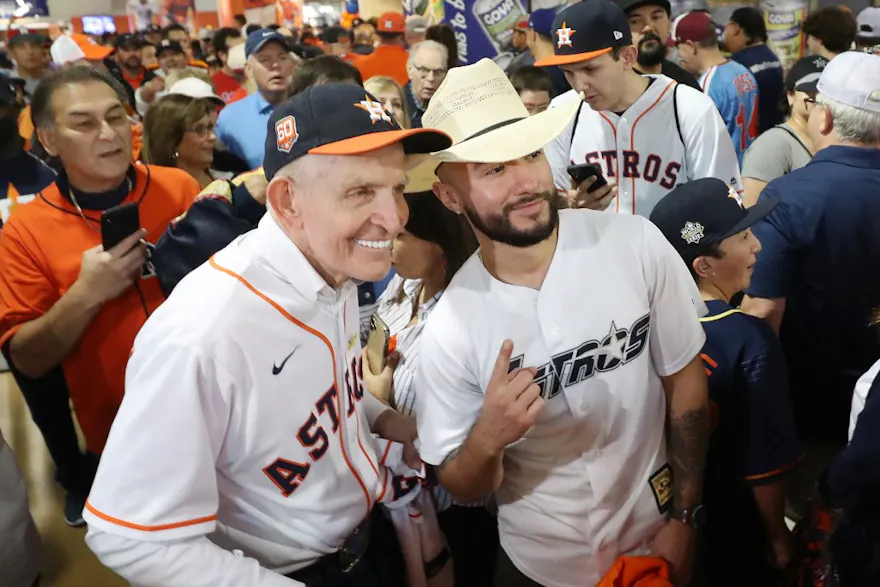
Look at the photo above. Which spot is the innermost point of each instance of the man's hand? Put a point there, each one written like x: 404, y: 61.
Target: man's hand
x: 580, y: 197
x: 151, y: 88
x: 104, y: 275
x: 675, y: 543
x: 381, y: 385
x: 256, y: 184
x: 512, y: 405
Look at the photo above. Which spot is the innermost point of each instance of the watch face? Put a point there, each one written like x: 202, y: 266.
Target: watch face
x: 698, y: 517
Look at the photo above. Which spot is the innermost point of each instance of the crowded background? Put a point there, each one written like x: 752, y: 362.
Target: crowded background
x: 174, y: 119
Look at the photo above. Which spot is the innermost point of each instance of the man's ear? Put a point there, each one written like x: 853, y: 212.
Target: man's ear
x: 47, y: 139
x: 284, y: 199
x: 827, y: 123
x: 448, y: 196
x: 629, y: 55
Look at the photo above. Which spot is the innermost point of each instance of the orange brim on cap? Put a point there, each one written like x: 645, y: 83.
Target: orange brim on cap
x: 572, y: 58
x: 96, y: 52
x: 372, y: 141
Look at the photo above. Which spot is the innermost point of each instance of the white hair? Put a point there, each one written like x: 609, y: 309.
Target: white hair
x: 853, y: 125
x: 308, y: 170
x: 418, y: 47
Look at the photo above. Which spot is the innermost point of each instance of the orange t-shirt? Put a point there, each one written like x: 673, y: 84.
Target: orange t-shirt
x: 26, y: 126
x: 388, y: 60
x: 137, y: 81
x: 42, y: 246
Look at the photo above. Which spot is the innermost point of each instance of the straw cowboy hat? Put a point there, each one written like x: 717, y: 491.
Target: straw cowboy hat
x: 478, y: 107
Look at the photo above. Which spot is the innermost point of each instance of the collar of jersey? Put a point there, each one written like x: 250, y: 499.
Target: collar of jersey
x: 285, y: 259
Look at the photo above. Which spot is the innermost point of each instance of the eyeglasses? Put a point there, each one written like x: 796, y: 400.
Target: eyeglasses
x: 203, y: 130
x: 424, y: 72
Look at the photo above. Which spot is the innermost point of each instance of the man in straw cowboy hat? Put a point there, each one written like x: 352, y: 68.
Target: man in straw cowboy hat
x: 596, y: 319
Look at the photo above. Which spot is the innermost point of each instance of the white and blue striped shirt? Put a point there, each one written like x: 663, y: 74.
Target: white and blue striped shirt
x: 396, y: 311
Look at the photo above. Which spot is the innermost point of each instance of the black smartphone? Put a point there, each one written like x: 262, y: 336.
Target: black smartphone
x: 580, y: 173
x: 118, y: 223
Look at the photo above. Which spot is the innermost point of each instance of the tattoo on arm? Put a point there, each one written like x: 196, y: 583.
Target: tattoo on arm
x: 688, y: 442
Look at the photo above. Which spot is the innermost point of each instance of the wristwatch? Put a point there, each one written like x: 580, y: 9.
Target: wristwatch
x: 694, y: 517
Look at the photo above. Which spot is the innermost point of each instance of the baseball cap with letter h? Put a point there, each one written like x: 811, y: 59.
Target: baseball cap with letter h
x: 338, y: 119
x: 586, y: 30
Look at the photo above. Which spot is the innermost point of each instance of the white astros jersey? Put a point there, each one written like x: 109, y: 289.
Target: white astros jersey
x: 243, y: 417
x: 617, y: 310
x: 642, y: 151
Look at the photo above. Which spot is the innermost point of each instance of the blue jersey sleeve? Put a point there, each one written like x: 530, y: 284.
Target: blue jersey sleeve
x: 779, y: 246
x: 771, y: 446
x: 221, y: 213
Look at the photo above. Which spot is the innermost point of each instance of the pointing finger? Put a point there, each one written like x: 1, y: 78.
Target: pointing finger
x: 502, y: 363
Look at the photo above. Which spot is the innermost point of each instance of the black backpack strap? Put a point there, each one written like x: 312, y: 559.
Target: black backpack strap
x: 577, y: 118
x: 794, y: 136
x: 678, y: 123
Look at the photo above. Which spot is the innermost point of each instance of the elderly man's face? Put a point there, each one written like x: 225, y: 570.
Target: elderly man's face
x: 511, y: 203
x: 91, y: 133
x: 272, y: 67
x: 348, y: 212
x: 427, y: 70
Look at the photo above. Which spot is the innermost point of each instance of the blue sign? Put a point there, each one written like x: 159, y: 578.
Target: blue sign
x: 483, y: 28
x: 23, y: 8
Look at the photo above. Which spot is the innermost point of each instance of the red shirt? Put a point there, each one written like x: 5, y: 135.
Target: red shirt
x: 134, y: 82
x: 388, y: 60
x: 225, y: 85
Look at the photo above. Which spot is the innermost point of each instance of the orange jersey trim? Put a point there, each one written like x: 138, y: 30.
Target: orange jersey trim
x: 142, y: 528
x: 774, y: 473
x: 632, y: 138
x: 329, y: 346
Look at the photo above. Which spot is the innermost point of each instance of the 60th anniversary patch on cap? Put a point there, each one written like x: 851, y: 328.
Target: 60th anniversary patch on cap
x: 339, y: 119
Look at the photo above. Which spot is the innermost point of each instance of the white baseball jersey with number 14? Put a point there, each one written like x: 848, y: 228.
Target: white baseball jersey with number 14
x: 641, y: 149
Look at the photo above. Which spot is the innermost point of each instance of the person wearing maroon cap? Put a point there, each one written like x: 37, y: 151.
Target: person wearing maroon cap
x: 731, y: 86
x: 390, y: 56
x: 521, y: 55
x: 646, y: 133
x: 28, y: 52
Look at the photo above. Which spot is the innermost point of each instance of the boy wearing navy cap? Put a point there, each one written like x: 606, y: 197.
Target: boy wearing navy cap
x: 753, y: 442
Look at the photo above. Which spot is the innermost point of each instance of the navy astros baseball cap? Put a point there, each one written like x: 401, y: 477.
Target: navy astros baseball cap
x: 260, y: 38
x: 541, y: 21
x: 128, y: 41
x: 702, y: 212
x: 586, y: 30
x: 339, y: 119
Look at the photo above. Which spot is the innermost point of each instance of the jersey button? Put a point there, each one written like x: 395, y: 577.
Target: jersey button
x: 554, y: 329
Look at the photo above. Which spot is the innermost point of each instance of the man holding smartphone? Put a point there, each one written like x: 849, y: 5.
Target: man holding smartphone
x: 64, y: 300
x: 648, y: 134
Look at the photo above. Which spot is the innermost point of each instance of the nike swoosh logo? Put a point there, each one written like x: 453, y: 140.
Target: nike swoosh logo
x: 276, y: 369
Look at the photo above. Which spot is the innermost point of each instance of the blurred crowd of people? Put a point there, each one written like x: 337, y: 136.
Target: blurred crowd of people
x: 762, y: 181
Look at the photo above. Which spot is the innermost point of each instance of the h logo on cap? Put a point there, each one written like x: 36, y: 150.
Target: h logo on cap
x: 564, y: 35
x: 285, y: 133
x: 374, y: 109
